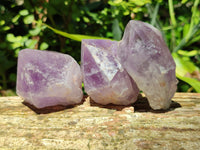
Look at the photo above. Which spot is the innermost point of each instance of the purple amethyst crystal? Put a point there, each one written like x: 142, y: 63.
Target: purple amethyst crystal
x: 104, y: 78
x: 145, y: 56
x: 47, y: 78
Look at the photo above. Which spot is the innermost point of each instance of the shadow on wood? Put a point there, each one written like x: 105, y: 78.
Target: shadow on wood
x: 109, y: 106
x: 51, y: 109
x: 141, y: 105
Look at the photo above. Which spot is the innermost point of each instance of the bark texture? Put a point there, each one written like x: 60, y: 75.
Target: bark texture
x: 90, y: 126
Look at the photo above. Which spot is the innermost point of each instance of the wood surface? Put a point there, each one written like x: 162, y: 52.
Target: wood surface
x: 90, y: 126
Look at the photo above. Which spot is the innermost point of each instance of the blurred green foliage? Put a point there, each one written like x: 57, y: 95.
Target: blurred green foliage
x: 58, y: 25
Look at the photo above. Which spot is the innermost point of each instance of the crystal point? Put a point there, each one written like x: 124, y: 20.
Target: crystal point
x: 104, y: 78
x: 46, y: 78
x: 147, y: 59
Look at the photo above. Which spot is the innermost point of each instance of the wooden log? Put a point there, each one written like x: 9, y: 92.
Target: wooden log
x: 92, y: 126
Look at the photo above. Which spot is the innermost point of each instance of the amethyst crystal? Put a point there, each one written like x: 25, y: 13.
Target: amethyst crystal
x: 145, y: 56
x: 47, y: 78
x: 104, y: 78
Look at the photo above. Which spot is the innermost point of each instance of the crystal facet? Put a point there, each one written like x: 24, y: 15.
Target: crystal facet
x: 104, y: 78
x: 145, y: 56
x: 47, y: 78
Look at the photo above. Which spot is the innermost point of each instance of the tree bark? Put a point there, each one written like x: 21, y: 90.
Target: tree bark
x: 92, y: 126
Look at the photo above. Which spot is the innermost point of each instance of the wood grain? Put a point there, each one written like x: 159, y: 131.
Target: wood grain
x: 90, y: 126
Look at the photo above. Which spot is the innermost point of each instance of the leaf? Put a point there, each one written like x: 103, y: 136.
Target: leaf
x: 186, y: 29
x: 11, y: 38
x: 137, y: 9
x: 5, y: 28
x: 116, y: 2
x: 16, y: 45
x: 193, y: 40
x: 2, y: 22
x: 189, y: 53
x: 193, y: 82
x: 184, y: 1
x: 35, y: 31
x: 155, y: 14
x: 30, y: 43
x: 15, y: 19
x: 76, y: 37
x: 140, y: 2
x: 183, y: 67
x: 185, y: 40
x: 86, y: 19
x: 117, y: 33
x: 23, y: 12
x: 29, y: 19
x: 44, y: 46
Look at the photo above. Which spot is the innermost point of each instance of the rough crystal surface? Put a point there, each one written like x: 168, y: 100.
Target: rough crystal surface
x: 104, y: 78
x: 47, y: 78
x: 147, y: 59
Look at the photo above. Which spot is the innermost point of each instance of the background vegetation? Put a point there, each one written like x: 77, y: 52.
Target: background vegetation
x: 53, y: 25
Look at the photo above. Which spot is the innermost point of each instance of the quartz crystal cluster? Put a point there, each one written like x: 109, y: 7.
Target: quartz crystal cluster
x: 143, y: 54
x: 105, y: 80
x: 113, y: 72
x: 47, y: 78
